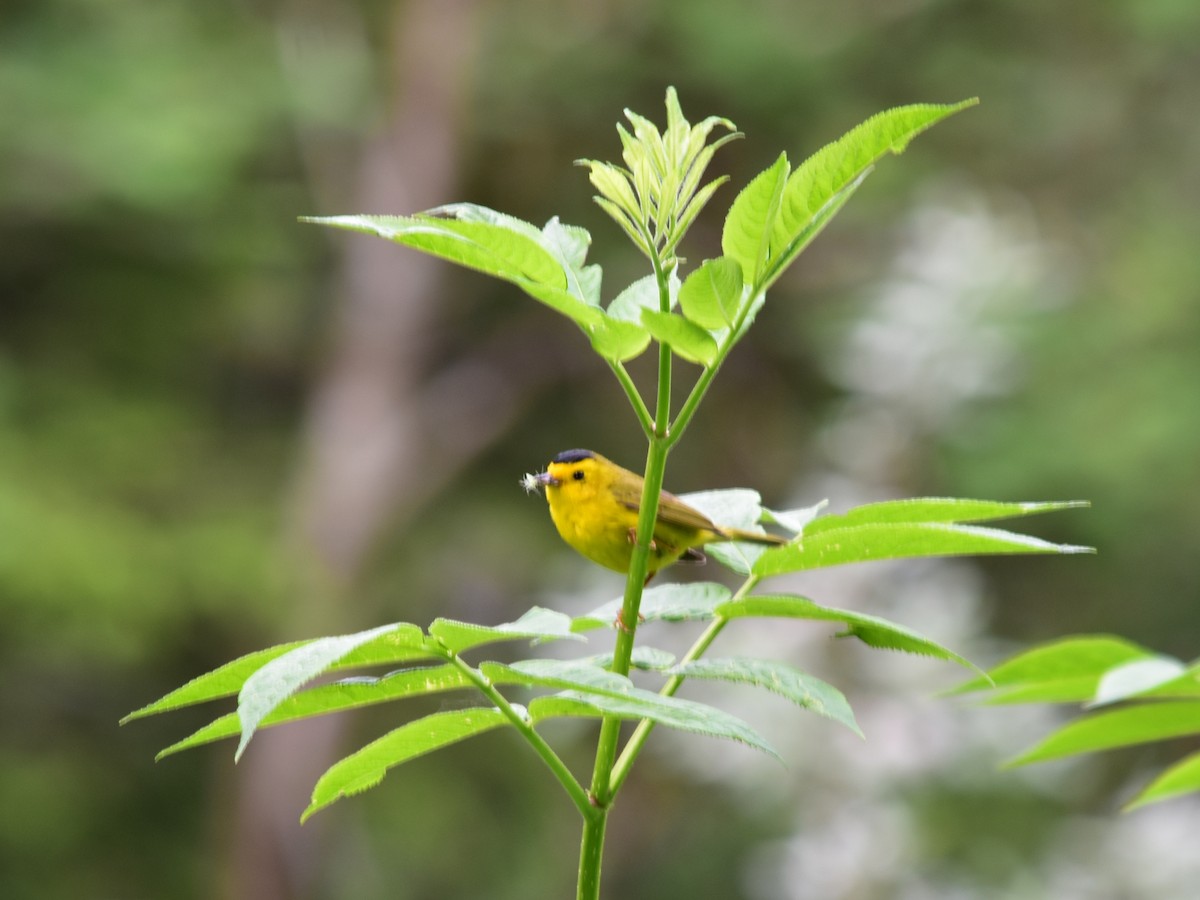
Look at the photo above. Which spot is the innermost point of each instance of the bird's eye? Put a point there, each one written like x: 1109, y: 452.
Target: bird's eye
x: 577, y: 475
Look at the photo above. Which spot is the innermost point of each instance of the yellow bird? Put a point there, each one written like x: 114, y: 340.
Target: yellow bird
x: 594, y: 504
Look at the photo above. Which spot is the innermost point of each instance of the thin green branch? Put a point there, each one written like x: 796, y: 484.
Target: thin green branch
x: 635, y: 398
x: 591, y: 851
x: 637, y: 740
x: 662, y: 424
x: 663, y: 411
x: 700, y: 388
x: 569, y: 782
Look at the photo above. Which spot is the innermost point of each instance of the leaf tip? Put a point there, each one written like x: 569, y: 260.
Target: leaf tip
x: 241, y: 747
x: 1015, y: 762
x: 1146, y: 797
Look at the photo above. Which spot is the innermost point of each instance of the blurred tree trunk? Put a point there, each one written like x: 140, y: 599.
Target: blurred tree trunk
x: 364, y: 433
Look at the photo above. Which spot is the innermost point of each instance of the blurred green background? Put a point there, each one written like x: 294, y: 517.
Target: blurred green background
x: 220, y: 429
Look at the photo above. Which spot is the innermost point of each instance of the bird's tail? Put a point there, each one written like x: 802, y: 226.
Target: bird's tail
x: 753, y: 537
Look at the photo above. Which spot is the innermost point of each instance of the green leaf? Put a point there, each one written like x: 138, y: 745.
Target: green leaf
x: 1123, y: 727
x: 571, y: 674
x: 664, y: 602
x: 496, y: 245
x: 817, y: 185
x: 795, y: 520
x: 871, y: 630
x: 684, y: 715
x: 473, y: 212
x: 936, y: 509
x: 687, y: 340
x: 350, y: 693
x: 801, y: 688
x: 229, y: 678
x: 627, y: 221
x: 608, y: 693
x: 406, y: 643
x: 641, y: 294
x: 746, y: 236
x: 222, y: 682
x: 365, y: 768
x: 1187, y: 684
x: 710, y: 296
x: 783, y: 256
x: 616, y: 340
x: 733, y: 508
x: 536, y: 624
x: 619, y: 335
x: 502, y: 247
x: 697, y: 203
x: 655, y: 198
x: 616, y: 190
x: 649, y: 659
x: 569, y: 245
x: 1181, y: 778
x: 901, y: 540
x: 1068, y: 690
x: 1062, y: 671
x: 582, y: 314
x: 1136, y: 678
x: 283, y: 676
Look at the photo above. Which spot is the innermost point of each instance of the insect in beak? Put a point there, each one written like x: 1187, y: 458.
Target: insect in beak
x: 532, y: 483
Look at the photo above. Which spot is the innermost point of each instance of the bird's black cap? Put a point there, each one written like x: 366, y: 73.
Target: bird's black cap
x: 570, y: 456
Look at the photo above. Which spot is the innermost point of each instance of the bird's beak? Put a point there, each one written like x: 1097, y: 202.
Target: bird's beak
x: 545, y: 479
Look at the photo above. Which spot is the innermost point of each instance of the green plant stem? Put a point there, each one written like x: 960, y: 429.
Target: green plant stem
x: 662, y: 412
x: 635, y: 398
x: 637, y: 740
x: 602, y: 790
x: 700, y: 388
x: 569, y: 782
x: 610, y: 729
x: 591, y: 852
x: 662, y: 424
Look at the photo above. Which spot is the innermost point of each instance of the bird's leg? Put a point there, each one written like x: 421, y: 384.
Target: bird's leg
x: 621, y: 615
x: 621, y: 619
x: 633, y: 540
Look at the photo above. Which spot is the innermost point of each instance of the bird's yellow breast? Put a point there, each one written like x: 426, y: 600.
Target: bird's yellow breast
x: 594, y: 505
x: 590, y: 517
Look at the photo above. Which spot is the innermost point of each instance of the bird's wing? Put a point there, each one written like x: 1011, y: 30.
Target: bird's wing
x: 671, y: 510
